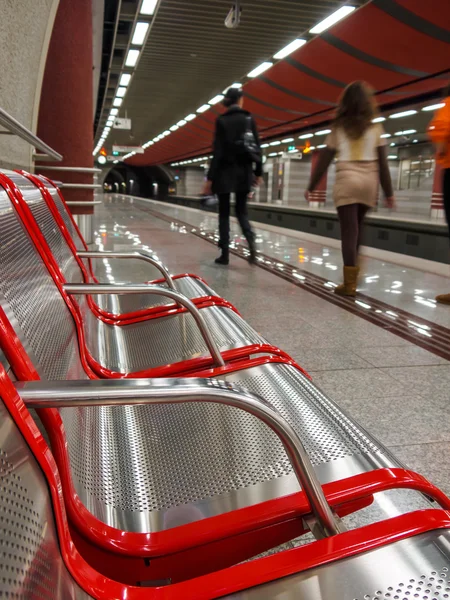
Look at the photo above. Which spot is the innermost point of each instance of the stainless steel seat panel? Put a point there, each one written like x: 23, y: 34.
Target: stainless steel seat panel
x: 164, y: 340
x: 31, y: 565
x: 150, y: 468
x: 122, y: 303
x: 32, y: 302
x: 413, y: 569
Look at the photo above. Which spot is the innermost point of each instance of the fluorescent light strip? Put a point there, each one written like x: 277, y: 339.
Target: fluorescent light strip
x: 323, y: 132
x: 260, y: 69
x: 338, y: 15
x: 121, y: 91
x: 379, y: 120
x: 405, y: 113
x: 167, y: 132
x: 139, y: 34
x: 287, y: 140
x: 264, y: 145
x: 181, y: 123
x: 216, y: 99
x: 306, y: 136
x: 190, y: 117
x: 322, y: 146
x: 117, y: 101
x: 114, y: 112
x: 125, y: 79
x: 174, y: 128
x: 434, y: 106
x: 289, y: 48
x: 275, y: 143
x: 406, y: 132
x: 392, y: 156
x: 132, y: 58
x: 203, y: 108
x: 148, y: 7
x: 385, y: 135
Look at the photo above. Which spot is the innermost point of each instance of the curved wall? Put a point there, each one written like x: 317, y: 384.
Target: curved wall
x: 25, y: 30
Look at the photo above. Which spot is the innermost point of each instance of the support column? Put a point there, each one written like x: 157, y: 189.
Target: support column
x: 437, y: 196
x: 66, y: 108
x: 318, y: 197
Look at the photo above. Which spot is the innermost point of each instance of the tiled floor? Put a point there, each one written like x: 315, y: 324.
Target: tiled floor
x: 395, y: 389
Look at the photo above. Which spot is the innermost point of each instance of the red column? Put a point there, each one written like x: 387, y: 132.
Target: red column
x: 319, y: 195
x: 66, y: 111
x: 437, y: 196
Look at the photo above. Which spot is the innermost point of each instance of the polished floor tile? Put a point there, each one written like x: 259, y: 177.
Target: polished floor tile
x: 399, y: 356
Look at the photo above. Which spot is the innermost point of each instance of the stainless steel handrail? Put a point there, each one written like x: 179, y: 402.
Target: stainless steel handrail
x: 71, y: 169
x: 37, y: 394
x: 106, y: 288
x: 16, y: 128
x: 82, y: 203
x: 138, y: 255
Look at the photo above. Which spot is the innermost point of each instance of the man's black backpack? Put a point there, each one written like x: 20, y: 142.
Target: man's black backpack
x: 246, y: 148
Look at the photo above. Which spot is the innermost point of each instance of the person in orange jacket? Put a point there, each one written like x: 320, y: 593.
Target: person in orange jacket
x: 439, y: 132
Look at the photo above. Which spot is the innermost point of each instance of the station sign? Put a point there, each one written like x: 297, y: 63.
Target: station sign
x: 127, y: 149
x: 120, y: 123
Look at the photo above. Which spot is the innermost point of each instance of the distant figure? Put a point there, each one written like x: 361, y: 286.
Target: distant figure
x: 361, y: 165
x: 439, y: 131
x: 236, y: 150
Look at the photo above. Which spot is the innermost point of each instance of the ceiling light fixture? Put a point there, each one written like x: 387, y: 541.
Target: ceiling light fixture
x: 260, y: 69
x: 379, y: 120
x: 385, y: 135
x: 275, y: 143
x: 110, y: 122
x: 289, y: 48
x: 203, y: 108
x: 125, y: 79
x: 434, y: 106
x: 405, y: 113
x: 287, y: 140
x: 338, y: 15
x: 216, y: 99
x: 273, y: 154
x: 121, y: 92
x: 139, y: 34
x: 132, y: 58
x: 114, y: 111
x: 148, y: 7
x: 305, y: 136
x: 264, y: 145
x: 174, y: 128
x: 323, y: 132
x: 181, y: 123
x: 392, y: 156
x: 190, y: 117
x: 406, y: 132
x: 117, y: 101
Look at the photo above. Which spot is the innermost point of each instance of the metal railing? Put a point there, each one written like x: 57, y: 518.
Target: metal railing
x: 37, y: 394
x: 154, y: 290
x: 13, y: 127
x: 136, y: 255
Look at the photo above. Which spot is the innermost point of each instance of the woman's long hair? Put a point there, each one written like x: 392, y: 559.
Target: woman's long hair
x: 356, y: 109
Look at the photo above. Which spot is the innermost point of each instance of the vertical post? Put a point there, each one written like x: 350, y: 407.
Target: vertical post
x: 437, y: 196
x: 318, y: 197
x: 66, y: 109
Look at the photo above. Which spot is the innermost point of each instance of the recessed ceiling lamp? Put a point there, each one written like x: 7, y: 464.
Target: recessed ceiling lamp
x: 289, y: 48
x: 379, y: 120
x: 434, y: 106
x: 125, y: 79
x: 117, y: 101
x: 260, y: 69
x: 216, y: 99
x: 203, y: 108
x: 148, y: 7
x: 405, y: 113
x: 338, y: 15
x: 190, y: 117
x: 132, y: 58
x: 139, y: 34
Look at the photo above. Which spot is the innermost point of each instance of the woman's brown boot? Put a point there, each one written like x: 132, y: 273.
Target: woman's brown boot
x: 348, y: 288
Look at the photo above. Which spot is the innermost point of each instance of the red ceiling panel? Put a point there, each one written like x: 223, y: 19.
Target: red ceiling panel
x: 389, y: 43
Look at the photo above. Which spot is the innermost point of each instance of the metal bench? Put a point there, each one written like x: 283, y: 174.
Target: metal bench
x: 155, y: 345
x: 404, y: 557
x: 114, y: 461
x: 191, y: 286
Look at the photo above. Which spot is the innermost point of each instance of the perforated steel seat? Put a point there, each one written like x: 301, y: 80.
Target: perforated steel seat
x: 188, y: 285
x: 125, y: 349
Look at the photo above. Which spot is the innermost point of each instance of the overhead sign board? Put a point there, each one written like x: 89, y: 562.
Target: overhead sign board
x: 127, y: 149
x: 122, y: 123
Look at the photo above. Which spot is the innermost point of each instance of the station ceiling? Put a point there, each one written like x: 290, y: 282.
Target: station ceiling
x: 402, y: 47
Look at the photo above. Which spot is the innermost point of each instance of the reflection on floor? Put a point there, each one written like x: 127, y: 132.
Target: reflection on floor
x: 399, y: 391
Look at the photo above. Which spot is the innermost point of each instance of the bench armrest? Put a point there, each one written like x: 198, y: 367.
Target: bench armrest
x: 137, y: 255
x: 44, y: 394
x: 105, y: 288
